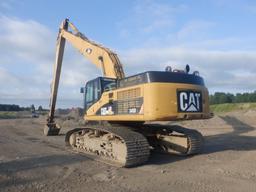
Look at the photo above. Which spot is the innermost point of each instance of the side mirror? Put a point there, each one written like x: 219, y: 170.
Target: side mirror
x: 82, y: 90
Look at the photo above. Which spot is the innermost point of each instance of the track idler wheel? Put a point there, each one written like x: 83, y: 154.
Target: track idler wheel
x: 51, y: 129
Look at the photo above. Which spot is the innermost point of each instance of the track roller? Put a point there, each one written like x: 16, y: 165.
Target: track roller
x: 175, y: 139
x: 117, y: 146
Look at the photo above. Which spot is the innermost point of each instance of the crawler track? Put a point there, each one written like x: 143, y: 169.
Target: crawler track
x: 174, y: 139
x: 129, y: 145
x: 118, y: 146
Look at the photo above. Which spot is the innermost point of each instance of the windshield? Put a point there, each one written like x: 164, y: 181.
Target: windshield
x: 108, y: 84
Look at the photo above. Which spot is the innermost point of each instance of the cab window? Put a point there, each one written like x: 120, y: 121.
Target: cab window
x: 108, y: 84
x: 89, y: 92
x: 93, y: 92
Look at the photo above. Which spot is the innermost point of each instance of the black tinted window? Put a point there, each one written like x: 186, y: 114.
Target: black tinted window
x: 89, y: 92
x: 108, y: 84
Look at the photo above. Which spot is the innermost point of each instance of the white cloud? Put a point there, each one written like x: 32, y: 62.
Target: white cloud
x: 28, y: 40
x: 23, y: 49
x: 5, y: 75
x: 27, y: 56
x: 155, y: 16
x: 194, y: 27
x: 232, y: 71
x: 148, y: 16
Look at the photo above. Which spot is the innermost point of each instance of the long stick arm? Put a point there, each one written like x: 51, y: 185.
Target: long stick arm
x: 57, y: 71
x: 102, y: 57
x: 51, y: 128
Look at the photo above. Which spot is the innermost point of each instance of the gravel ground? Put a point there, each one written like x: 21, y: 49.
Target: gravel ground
x: 30, y: 161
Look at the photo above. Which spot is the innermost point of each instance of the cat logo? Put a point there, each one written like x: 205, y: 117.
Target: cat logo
x: 189, y: 101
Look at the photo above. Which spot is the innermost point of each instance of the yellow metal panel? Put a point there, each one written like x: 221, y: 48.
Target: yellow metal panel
x: 160, y: 103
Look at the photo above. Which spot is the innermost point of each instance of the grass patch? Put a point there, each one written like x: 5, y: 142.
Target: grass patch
x: 228, y: 107
x: 8, y: 115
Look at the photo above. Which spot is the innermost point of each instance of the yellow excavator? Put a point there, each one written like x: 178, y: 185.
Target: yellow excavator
x: 121, y: 112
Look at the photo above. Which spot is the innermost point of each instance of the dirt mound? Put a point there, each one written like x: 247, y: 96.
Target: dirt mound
x: 76, y: 113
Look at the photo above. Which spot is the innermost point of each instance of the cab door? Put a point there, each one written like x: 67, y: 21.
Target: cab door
x: 92, y: 93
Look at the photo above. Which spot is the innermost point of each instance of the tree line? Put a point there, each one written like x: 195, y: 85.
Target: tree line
x: 12, y: 107
x: 221, y: 97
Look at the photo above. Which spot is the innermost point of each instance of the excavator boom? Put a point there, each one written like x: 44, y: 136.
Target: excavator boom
x: 102, y: 57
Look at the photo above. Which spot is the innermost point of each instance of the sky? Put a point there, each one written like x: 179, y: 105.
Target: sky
x: 215, y: 37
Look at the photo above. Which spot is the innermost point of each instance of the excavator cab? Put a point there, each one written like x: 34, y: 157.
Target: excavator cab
x: 94, y: 89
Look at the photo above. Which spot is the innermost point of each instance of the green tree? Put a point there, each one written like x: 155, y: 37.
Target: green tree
x: 40, y: 108
x: 33, y: 109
